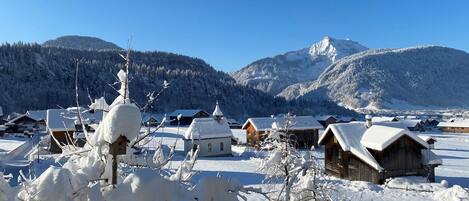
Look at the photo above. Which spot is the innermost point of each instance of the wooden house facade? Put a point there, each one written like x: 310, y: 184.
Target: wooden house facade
x: 186, y: 116
x: 355, y: 152
x: 461, y: 126
x: 305, y: 129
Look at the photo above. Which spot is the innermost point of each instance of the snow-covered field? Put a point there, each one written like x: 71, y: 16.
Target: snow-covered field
x: 242, y: 166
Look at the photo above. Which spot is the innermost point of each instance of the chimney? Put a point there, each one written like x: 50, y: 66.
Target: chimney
x: 368, y: 121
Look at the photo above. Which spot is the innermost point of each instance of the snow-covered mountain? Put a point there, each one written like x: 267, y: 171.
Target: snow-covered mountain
x: 273, y: 74
x: 417, y: 77
x: 81, y: 43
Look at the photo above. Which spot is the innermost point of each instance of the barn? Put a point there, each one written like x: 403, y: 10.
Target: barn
x: 305, y: 129
x: 187, y: 115
x: 374, y: 153
x: 211, y: 135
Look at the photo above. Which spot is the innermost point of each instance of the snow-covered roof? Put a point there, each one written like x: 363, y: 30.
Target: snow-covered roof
x: 204, y: 128
x: 383, y: 119
x: 16, y: 118
x: 37, y: 115
x: 299, y: 123
x: 410, y: 122
x: 324, y: 117
x: 232, y: 121
x: 186, y: 112
x: 380, y: 137
x: 60, y: 120
x: 458, y: 124
x: 426, y: 138
x: 56, y: 118
x: 146, y: 117
x: 397, y: 124
x: 356, y: 138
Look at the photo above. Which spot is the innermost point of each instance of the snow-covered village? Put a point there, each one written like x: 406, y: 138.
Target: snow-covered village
x: 234, y: 100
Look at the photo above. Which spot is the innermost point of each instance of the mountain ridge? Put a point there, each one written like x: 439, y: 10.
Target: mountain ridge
x: 81, y: 43
x: 401, y: 78
x: 273, y: 74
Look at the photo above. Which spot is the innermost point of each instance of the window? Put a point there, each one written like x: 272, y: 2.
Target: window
x: 209, y: 147
x: 221, y: 146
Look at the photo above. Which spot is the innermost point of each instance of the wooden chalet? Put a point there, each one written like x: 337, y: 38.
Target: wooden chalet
x: 305, y: 129
x: 457, y: 126
x: 186, y: 116
x: 374, y: 153
x: 21, y: 124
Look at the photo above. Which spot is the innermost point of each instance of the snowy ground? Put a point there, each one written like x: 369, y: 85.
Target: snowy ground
x: 452, y: 148
x: 10, y: 143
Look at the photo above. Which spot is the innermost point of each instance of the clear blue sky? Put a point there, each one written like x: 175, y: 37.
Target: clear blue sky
x: 231, y: 34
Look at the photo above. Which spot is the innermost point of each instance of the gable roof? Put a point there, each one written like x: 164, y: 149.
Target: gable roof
x: 66, y: 119
x: 38, y: 115
x: 356, y: 138
x: 426, y: 138
x: 147, y: 116
x: 300, y: 123
x: 60, y: 120
x: 187, y: 112
x: 380, y: 137
x: 12, y: 121
x: 204, y: 128
x: 411, y: 122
